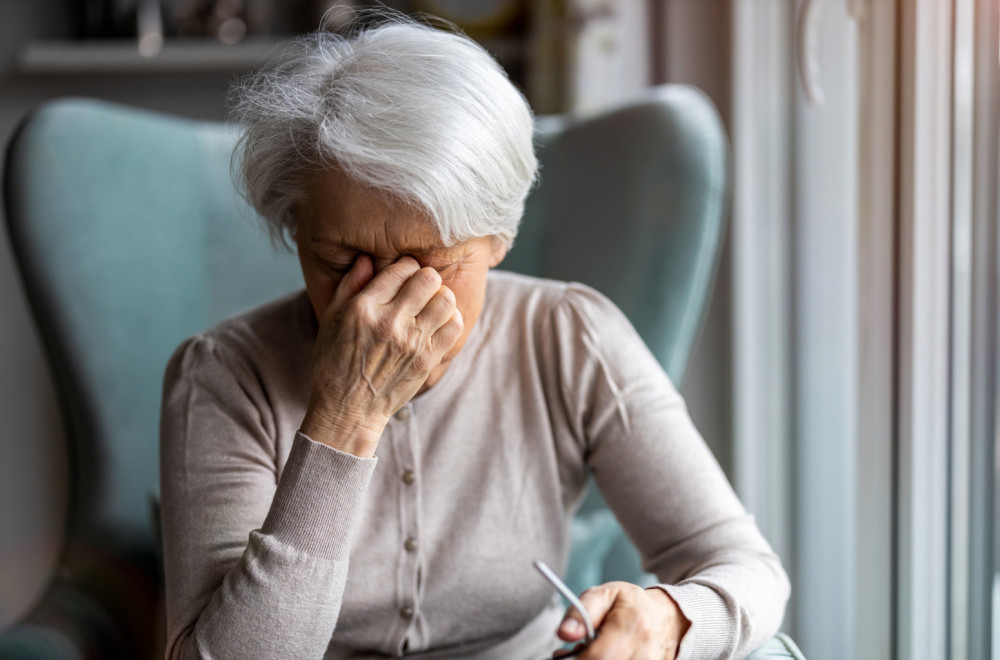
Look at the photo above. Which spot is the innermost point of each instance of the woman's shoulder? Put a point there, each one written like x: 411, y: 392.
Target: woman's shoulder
x: 289, y: 316
x: 571, y: 318
x: 528, y: 297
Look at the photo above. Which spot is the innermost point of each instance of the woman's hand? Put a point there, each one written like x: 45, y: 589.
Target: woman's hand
x: 635, y: 623
x: 379, y: 339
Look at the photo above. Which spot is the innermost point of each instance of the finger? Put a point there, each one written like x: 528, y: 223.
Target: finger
x: 571, y: 629
x: 619, y: 636
x: 569, y: 653
x: 386, y: 284
x: 360, y: 274
x: 611, y: 644
x: 438, y: 310
x: 448, y: 334
x: 414, y: 295
x: 597, y: 601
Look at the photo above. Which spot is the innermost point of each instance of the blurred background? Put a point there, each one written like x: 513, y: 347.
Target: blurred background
x: 846, y: 375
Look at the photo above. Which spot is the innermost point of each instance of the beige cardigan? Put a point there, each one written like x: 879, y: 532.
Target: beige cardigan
x: 279, y: 547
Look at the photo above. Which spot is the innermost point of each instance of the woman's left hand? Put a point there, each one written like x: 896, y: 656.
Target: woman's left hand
x: 635, y: 623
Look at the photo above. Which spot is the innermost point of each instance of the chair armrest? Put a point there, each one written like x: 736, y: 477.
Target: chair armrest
x: 66, y: 624
x: 779, y: 646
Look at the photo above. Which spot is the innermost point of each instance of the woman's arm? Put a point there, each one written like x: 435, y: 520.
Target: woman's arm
x: 274, y: 591
x: 664, y: 485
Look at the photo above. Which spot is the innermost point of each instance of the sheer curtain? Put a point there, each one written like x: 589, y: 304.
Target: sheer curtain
x: 865, y: 286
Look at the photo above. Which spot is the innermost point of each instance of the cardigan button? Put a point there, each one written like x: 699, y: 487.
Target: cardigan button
x: 409, y: 477
x: 403, y: 414
x: 411, y: 544
x: 406, y: 612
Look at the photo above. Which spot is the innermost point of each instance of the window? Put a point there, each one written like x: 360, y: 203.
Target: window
x: 865, y: 242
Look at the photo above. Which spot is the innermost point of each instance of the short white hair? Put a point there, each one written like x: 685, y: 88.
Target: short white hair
x: 424, y: 115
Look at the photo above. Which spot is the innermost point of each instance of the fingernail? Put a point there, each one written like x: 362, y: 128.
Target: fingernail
x: 570, y: 626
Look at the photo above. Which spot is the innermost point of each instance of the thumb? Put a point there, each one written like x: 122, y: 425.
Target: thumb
x: 360, y: 274
x: 597, y: 601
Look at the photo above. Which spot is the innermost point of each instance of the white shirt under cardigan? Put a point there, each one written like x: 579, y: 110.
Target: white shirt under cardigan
x: 277, y: 546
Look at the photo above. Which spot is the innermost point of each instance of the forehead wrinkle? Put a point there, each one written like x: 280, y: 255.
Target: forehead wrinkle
x: 394, y: 250
x: 348, y: 217
x: 345, y: 214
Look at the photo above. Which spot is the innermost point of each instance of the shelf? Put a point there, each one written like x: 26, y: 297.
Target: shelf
x: 177, y: 56
x: 122, y: 57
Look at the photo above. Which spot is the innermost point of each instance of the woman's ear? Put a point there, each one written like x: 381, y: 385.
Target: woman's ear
x: 500, y: 247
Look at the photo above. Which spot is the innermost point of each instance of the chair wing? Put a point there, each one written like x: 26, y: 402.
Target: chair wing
x: 129, y: 237
x: 631, y: 202
x: 633, y: 205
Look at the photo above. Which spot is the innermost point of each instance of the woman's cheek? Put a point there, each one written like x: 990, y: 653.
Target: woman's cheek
x: 321, y: 286
x: 469, y: 286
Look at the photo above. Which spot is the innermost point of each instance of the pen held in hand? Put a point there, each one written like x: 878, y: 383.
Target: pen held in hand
x: 568, y: 594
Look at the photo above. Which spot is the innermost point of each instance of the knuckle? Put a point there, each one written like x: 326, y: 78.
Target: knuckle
x: 414, y: 344
x: 385, y: 327
x: 437, y: 309
x: 443, y: 302
x: 428, y: 277
x: 399, y: 327
x: 361, y: 308
x: 423, y: 361
x: 357, y: 305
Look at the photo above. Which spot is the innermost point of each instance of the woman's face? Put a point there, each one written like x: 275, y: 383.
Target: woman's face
x: 341, y: 219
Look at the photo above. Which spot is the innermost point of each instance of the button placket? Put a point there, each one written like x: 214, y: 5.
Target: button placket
x: 409, y: 503
x: 396, y: 447
x: 419, y: 634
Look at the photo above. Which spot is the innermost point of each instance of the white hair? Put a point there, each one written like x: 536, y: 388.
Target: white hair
x: 423, y: 115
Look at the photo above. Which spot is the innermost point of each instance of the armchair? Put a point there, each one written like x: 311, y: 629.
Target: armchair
x: 130, y: 237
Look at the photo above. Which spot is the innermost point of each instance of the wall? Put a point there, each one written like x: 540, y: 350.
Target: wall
x: 696, y: 51
x: 32, y: 459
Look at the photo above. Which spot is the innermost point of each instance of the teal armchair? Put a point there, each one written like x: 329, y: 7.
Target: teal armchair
x: 130, y: 237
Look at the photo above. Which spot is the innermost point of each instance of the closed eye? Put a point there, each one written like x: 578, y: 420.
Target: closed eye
x: 450, y: 266
x: 342, y: 267
x: 335, y: 268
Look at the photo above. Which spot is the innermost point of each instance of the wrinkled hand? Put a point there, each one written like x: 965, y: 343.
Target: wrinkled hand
x: 379, y: 339
x: 634, y: 623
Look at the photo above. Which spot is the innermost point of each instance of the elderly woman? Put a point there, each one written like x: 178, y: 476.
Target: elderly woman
x: 368, y: 468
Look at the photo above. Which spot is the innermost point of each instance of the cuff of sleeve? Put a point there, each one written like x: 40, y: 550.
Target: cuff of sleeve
x: 318, y: 498
x: 711, y: 631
